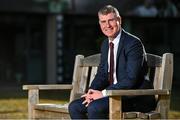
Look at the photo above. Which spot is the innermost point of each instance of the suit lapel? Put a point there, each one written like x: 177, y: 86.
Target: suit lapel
x: 121, y: 42
x: 106, y: 55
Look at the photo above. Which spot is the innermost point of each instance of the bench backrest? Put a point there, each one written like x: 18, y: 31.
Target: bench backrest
x: 85, y: 68
x: 161, y: 69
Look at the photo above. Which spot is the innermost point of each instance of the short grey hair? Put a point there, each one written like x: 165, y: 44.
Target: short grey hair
x: 108, y: 9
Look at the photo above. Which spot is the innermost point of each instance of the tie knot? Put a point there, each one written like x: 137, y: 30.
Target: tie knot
x: 111, y: 44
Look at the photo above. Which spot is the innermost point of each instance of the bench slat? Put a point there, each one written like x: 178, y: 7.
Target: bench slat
x: 52, y: 107
x: 48, y: 87
x: 137, y: 92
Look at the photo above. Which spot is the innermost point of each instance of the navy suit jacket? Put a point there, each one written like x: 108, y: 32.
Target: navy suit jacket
x: 131, y: 66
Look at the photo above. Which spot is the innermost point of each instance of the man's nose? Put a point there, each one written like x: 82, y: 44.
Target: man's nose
x: 107, y: 23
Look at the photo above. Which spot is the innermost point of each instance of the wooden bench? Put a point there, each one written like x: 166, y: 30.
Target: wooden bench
x: 85, y: 69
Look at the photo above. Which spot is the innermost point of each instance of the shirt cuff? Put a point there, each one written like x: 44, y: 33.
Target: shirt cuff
x: 104, y: 92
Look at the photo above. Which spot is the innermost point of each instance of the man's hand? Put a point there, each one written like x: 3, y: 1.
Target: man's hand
x: 87, y: 97
x: 95, y: 94
x: 91, y: 95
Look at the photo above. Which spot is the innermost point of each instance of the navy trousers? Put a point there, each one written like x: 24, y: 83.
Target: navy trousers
x: 99, y: 109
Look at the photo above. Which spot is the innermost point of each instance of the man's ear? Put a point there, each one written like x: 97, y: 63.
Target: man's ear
x: 119, y: 20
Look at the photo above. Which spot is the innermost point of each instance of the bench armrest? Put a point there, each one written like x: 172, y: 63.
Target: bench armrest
x: 115, y: 101
x: 137, y: 92
x: 48, y: 87
x: 33, y: 94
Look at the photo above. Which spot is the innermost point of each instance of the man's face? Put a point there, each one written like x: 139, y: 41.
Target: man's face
x: 110, y: 25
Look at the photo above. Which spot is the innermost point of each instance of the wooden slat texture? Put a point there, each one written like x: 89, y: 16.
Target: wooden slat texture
x: 76, y: 76
x: 167, y: 70
x: 166, y: 75
x: 33, y: 99
x: 157, y: 80
x: 163, y: 106
x: 83, y: 82
x: 115, y: 111
x: 137, y: 92
x: 93, y: 73
x: 50, y: 115
x: 130, y: 115
x: 92, y: 60
x: 154, y: 60
x: 48, y: 87
x: 52, y: 107
x: 153, y: 115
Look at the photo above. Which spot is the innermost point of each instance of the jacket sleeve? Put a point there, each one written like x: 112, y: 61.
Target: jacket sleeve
x: 100, y: 81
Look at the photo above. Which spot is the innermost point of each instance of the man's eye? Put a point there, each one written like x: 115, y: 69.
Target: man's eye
x: 103, y: 21
x: 110, y: 20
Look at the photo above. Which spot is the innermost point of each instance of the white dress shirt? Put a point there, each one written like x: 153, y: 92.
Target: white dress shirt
x: 116, y: 45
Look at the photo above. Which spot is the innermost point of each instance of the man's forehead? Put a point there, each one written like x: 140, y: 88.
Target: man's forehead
x: 109, y: 15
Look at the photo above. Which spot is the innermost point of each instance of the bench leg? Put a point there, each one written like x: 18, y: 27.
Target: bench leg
x: 33, y: 98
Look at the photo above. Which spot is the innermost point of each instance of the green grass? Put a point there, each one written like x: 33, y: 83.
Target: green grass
x: 13, y: 108
x: 13, y: 101
x: 17, y: 108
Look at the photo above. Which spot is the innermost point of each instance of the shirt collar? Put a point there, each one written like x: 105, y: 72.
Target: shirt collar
x: 117, y: 39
